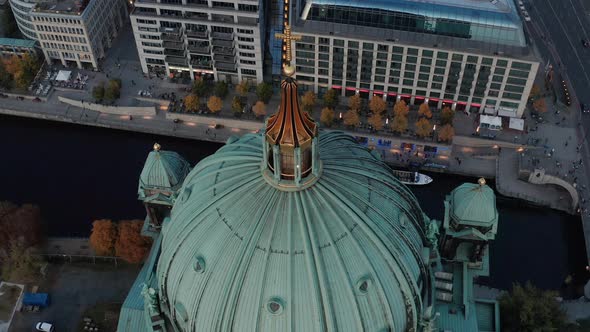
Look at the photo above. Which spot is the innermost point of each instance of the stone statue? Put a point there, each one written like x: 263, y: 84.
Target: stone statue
x: 150, y: 297
x: 432, y: 233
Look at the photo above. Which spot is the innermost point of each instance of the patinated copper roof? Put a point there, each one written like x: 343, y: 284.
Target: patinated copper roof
x: 290, y: 127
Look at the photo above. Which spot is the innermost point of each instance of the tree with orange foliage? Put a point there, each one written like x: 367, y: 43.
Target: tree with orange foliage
x: 327, y: 116
x: 377, y: 105
x: 352, y: 118
x: 425, y: 111
x: 400, y: 108
x: 540, y: 106
x: 447, y: 115
x: 191, y: 102
x: 131, y: 246
x: 215, y: 104
x: 259, y: 109
x: 23, y: 70
x: 376, y: 121
x: 399, y: 124
x: 354, y: 102
x: 446, y: 133
x: 423, y: 127
x: 103, y: 237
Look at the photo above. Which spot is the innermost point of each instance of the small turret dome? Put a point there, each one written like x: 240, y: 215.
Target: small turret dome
x: 163, y: 170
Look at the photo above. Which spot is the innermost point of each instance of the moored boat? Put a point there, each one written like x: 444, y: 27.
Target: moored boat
x: 412, y: 178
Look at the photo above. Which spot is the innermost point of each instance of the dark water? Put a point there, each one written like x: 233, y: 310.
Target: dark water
x: 79, y: 174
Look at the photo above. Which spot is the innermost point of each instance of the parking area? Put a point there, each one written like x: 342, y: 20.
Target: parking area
x: 73, y: 289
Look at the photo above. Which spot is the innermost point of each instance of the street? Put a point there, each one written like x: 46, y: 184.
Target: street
x: 558, y: 29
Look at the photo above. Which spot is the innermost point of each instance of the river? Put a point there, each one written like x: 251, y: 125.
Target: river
x: 78, y: 174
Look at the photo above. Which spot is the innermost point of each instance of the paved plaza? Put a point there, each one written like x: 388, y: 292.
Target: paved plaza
x: 75, y: 288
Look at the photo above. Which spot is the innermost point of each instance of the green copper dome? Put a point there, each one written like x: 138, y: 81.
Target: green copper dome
x: 474, y: 204
x: 344, y: 254
x: 163, y: 170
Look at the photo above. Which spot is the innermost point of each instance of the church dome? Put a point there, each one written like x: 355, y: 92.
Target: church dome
x: 163, y: 170
x: 474, y: 204
x: 344, y: 254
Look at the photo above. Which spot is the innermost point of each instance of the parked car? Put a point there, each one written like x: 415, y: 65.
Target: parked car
x: 585, y: 43
x: 44, y: 327
x: 584, y: 108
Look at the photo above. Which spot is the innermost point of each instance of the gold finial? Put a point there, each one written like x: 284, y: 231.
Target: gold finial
x: 481, y: 181
x: 157, y: 147
x: 287, y: 37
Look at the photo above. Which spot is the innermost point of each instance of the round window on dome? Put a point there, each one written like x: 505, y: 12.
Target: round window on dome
x: 186, y: 194
x: 363, y: 285
x: 275, y: 305
x: 199, y: 264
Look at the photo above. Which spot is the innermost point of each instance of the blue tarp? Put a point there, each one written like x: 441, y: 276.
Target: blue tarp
x: 38, y: 299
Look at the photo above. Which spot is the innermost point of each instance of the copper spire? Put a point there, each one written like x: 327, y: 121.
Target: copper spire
x: 291, y: 153
x: 290, y: 127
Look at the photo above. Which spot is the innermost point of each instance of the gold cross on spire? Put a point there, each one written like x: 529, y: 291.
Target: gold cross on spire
x: 287, y: 37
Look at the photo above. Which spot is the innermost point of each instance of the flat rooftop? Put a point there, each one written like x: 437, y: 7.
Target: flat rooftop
x: 74, y: 7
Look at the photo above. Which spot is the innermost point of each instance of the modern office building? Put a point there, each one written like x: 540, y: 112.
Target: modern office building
x: 21, y: 10
x: 77, y: 33
x: 221, y: 39
x: 468, y: 55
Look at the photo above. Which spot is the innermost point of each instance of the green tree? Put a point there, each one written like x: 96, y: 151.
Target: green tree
x: 237, y: 106
x: 221, y: 89
x: 376, y: 121
x: 98, y: 92
x: 191, y: 102
x: 30, y: 67
x: 447, y: 115
x: 308, y: 101
x: 264, y: 92
x: 327, y: 116
x: 352, y: 118
x: 423, y: 127
x: 19, y: 262
x: 243, y: 88
x: 112, y: 91
x: 425, y: 111
x: 354, y: 102
x: 377, y: 105
x: 215, y: 104
x: 531, y: 309
x: 331, y: 98
x: 201, y: 87
x: 399, y: 123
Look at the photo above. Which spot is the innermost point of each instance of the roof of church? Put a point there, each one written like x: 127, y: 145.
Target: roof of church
x: 474, y: 204
x: 290, y: 126
x: 163, y: 170
x: 344, y: 254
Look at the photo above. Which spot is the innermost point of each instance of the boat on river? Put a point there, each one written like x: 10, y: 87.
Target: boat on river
x: 412, y: 178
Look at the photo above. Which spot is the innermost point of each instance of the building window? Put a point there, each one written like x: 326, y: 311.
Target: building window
x: 251, y: 72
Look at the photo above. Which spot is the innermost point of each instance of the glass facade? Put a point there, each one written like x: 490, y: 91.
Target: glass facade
x: 480, y: 22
